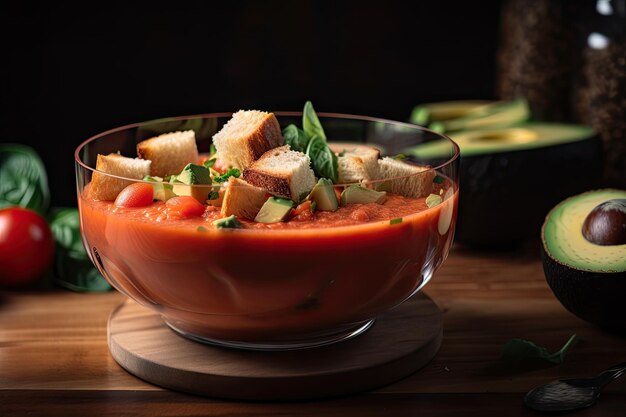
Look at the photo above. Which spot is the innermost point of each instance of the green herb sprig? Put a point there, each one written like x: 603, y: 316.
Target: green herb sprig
x: 233, y: 172
x: 312, y: 141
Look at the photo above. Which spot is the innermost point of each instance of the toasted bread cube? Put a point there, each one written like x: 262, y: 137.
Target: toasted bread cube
x: 415, y: 186
x: 169, y: 152
x: 104, y: 187
x: 247, y: 136
x: 282, y: 172
x: 356, y: 162
x: 242, y: 199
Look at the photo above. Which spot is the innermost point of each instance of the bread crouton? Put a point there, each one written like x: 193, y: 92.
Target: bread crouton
x: 242, y: 199
x: 104, y: 187
x: 414, y: 186
x: 247, y: 136
x: 356, y: 162
x: 282, y: 172
x: 169, y: 152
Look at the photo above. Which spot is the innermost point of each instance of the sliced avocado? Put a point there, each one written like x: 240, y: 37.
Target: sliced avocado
x: 459, y: 115
x: 194, y: 174
x: 229, y: 222
x: 191, y: 181
x: 511, y: 177
x: 425, y: 114
x: 162, y: 191
x: 356, y: 194
x: 324, y: 195
x: 588, y: 277
x: 274, y: 210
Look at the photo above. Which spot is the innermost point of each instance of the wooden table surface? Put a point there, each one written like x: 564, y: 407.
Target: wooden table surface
x: 54, y: 359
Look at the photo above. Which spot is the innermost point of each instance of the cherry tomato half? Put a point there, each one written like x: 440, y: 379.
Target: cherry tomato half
x: 185, y: 206
x: 26, y: 246
x: 138, y: 194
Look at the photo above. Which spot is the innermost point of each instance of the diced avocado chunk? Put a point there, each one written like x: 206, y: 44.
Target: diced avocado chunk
x: 162, y: 191
x: 199, y: 192
x: 324, y: 196
x: 194, y: 174
x: 229, y: 222
x: 355, y: 194
x: 274, y: 210
x: 191, y: 181
x: 433, y: 200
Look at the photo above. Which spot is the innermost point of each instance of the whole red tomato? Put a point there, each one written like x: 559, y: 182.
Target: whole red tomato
x: 26, y: 246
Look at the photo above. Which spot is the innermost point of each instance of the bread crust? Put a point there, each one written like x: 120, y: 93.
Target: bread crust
x: 104, y: 187
x: 266, y: 136
x: 273, y: 183
x: 164, y: 161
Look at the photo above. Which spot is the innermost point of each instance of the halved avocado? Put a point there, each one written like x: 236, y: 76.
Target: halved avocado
x: 511, y: 177
x: 589, y: 278
x: 454, y: 116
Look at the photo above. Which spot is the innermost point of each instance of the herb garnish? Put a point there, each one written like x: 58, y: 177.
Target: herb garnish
x: 526, y: 353
x: 313, y: 206
x: 438, y: 179
x: 311, y: 123
x: 396, y: 221
x: 213, y: 195
x: 324, y: 161
x: 233, y: 172
x: 209, y: 163
x: 295, y: 138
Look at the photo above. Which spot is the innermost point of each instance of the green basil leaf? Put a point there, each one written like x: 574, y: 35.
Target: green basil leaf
x: 524, y: 352
x: 311, y: 124
x: 233, y: 172
x: 295, y: 138
x: 324, y: 161
x: 72, y: 266
x: 23, y: 180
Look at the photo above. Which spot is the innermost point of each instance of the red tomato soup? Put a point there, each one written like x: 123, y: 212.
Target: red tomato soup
x: 269, y: 281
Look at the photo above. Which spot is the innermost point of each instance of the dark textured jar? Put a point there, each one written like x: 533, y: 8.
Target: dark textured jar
x: 600, y: 90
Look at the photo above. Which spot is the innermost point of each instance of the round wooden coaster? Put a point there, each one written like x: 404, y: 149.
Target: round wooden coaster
x: 400, y: 342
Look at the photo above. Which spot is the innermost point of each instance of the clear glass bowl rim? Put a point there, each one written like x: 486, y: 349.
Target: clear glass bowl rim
x: 454, y: 157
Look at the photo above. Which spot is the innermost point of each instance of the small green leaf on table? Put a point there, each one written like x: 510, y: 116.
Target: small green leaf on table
x: 520, y: 352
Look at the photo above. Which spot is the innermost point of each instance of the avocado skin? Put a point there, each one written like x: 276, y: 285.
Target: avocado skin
x: 504, y: 197
x: 596, y: 297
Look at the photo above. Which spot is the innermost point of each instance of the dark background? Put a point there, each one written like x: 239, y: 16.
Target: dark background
x: 71, y: 71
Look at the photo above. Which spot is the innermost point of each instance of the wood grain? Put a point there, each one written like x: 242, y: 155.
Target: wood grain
x: 399, y: 343
x: 53, y: 352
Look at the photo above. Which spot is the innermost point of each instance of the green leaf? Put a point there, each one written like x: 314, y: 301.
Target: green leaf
x: 209, y: 164
x: 396, y: 221
x: 233, y: 172
x: 324, y: 160
x: 295, y: 138
x: 72, y: 266
x: 23, y: 180
x: 311, y: 124
x: 524, y: 352
x: 213, y: 195
x: 438, y: 179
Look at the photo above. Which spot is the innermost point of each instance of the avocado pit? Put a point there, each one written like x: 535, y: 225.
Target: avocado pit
x: 606, y: 223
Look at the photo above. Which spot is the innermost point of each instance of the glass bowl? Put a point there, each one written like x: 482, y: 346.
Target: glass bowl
x: 297, y: 285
